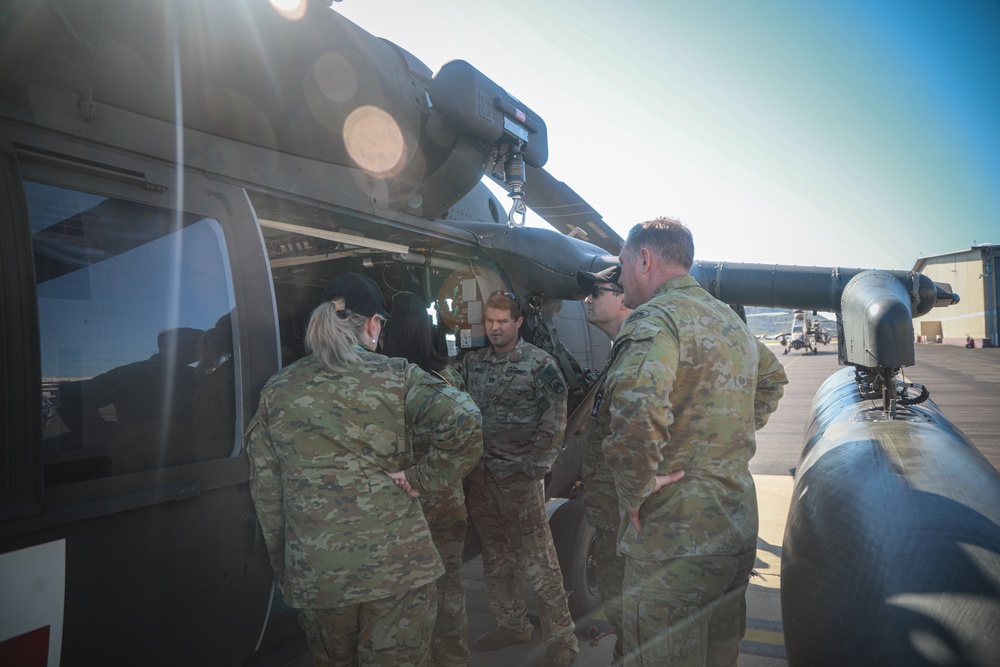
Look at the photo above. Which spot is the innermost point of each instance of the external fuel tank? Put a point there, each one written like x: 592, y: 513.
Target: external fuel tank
x: 891, y: 553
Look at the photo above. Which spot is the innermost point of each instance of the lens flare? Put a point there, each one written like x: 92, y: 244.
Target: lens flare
x: 374, y: 141
x: 293, y: 10
x: 335, y: 77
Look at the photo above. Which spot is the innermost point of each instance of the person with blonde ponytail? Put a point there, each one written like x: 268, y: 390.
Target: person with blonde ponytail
x: 335, y: 482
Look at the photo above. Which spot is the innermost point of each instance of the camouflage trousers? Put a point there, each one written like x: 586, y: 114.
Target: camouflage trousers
x: 517, y: 544
x: 448, y: 521
x: 601, y: 503
x: 688, y: 611
x: 391, y: 632
x: 610, y: 566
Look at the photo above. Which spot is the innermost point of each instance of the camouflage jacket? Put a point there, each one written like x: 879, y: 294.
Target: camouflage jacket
x: 601, y: 497
x: 771, y: 381
x: 452, y: 376
x: 680, y: 395
x: 454, y: 495
x: 522, y: 396
x: 337, y: 528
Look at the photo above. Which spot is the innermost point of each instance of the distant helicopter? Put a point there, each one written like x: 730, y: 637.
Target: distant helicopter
x: 806, y: 333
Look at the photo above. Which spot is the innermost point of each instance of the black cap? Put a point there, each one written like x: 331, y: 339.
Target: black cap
x: 586, y: 279
x: 361, y: 294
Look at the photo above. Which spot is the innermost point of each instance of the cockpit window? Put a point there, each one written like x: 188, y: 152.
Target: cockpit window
x: 137, y: 345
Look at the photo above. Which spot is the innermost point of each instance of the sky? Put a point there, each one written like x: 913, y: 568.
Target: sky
x: 821, y: 133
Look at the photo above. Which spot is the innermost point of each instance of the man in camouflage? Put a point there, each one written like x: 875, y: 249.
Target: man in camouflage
x: 334, y: 485
x: 606, y: 310
x: 522, y: 397
x: 687, y: 384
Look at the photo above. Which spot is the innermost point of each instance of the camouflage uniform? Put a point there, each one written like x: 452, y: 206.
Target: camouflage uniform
x: 681, y: 394
x: 523, y: 400
x: 448, y: 522
x: 345, y: 542
x: 601, y: 498
x: 601, y: 502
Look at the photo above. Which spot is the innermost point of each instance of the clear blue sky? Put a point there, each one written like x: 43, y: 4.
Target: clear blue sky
x: 843, y: 132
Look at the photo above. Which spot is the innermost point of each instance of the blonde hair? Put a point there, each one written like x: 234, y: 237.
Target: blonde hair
x: 333, y: 334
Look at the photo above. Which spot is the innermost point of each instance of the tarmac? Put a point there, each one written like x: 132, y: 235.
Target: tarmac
x: 763, y: 645
x: 965, y: 384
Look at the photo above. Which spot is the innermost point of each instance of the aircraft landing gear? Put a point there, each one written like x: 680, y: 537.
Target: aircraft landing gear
x: 574, y: 541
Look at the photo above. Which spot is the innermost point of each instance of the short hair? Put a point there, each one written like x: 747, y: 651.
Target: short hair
x: 667, y: 237
x: 502, y: 300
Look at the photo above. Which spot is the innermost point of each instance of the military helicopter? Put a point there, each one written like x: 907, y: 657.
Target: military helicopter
x: 805, y: 334
x: 207, y: 167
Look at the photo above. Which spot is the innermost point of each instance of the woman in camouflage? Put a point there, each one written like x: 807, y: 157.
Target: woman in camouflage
x: 334, y: 481
x: 411, y: 336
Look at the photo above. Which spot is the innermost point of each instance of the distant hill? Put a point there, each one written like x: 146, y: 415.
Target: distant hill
x: 772, y: 321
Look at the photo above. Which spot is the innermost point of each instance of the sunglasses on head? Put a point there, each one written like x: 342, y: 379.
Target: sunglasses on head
x: 345, y: 313
x: 597, y: 289
x: 500, y: 292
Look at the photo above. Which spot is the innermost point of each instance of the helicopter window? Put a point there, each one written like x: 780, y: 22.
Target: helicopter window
x: 136, y: 337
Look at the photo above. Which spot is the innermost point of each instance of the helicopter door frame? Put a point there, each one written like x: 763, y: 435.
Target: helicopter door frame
x: 20, y: 483
x: 135, y: 539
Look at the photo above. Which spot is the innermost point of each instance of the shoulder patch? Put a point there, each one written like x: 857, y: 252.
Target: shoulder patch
x: 551, y: 376
x: 637, y: 315
x: 548, y: 373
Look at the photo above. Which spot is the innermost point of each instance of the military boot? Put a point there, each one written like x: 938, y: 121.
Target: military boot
x: 501, y: 637
x: 560, y: 655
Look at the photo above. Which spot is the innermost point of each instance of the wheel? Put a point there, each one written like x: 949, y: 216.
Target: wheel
x: 574, y: 541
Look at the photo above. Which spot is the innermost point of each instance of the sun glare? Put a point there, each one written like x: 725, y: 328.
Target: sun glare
x: 293, y: 10
x: 374, y: 141
x: 336, y: 77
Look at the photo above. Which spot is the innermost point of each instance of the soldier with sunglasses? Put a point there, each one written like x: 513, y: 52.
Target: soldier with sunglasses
x: 606, y: 310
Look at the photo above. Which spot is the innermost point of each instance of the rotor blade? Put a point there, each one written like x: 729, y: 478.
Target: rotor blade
x: 557, y: 204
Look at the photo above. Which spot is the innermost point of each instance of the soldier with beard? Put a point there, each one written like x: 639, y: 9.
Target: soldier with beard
x: 522, y: 395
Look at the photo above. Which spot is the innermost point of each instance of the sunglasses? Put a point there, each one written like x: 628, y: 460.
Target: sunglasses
x: 500, y: 292
x: 597, y: 290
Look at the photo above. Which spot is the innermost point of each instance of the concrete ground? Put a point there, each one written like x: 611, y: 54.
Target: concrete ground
x: 763, y: 645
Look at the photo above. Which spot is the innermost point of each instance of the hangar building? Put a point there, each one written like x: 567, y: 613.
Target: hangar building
x: 974, y: 273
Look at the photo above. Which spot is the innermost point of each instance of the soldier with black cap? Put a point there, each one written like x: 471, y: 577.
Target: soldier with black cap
x: 335, y: 484
x: 607, y: 311
x: 411, y: 336
x: 606, y: 308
